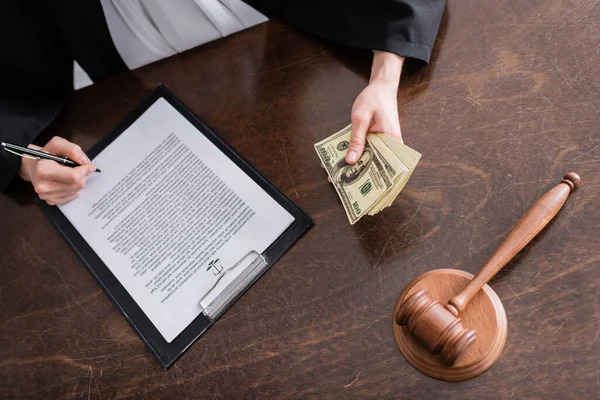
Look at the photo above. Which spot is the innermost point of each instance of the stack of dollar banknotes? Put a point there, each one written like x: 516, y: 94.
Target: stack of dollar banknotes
x: 375, y: 180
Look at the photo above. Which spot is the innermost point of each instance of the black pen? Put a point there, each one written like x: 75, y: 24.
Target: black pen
x: 39, y: 155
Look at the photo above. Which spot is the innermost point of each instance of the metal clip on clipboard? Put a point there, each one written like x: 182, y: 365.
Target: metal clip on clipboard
x: 233, y: 290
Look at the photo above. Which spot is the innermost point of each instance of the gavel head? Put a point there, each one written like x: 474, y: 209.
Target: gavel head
x: 435, y: 326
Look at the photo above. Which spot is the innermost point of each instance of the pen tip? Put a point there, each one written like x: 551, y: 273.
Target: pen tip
x: 97, y: 170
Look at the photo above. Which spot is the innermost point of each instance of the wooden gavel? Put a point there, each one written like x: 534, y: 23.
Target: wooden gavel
x: 439, y: 327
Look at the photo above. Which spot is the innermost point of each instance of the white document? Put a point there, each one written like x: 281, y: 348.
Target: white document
x: 170, y: 214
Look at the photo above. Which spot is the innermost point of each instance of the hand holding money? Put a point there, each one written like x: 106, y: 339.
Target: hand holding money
x: 375, y: 180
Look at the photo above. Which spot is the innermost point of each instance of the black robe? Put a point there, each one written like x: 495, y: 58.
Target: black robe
x: 39, y: 39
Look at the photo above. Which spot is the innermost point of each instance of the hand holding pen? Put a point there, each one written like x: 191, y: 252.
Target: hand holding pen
x: 53, y: 182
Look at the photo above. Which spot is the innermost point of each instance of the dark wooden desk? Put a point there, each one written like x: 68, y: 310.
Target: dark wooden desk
x: 508, y: 105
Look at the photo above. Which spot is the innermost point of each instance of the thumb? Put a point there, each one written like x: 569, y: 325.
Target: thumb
x: 360, y: 125
x: 64, y: 148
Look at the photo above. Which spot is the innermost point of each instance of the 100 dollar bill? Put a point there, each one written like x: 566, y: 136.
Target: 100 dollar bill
x: 359, y: 185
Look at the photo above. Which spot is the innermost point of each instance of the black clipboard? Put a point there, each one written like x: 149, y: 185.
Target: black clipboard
x: 166, y: 353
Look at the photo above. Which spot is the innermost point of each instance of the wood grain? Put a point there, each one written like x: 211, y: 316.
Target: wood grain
x: 509, y: 101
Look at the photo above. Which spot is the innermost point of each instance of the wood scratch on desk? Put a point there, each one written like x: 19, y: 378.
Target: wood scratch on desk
x: 536, y: 275
x: 267, y: 71
x: 90, y: 315
x: 99, y: 321
x: 216, y: 391
x: 298, y: 362
x: 561, y: 325
x: 354, y: 381
x: 282, y: 292
x: 29, y: 251
x: 457, y: 186
x: 67, y: 308
x: 558, y: 276
x: 290, y: 175
x: 525, y: 183
x: 480, y: 207
x: 557, y: 357
x: 103, y: 357
x: 32, y: 263
x: 597, y: 334
x: 250, y: 306
x: 585, y: 162
x: 517, y: 297
x: 98, y: 390
x: 180, y: 380
x: 91, y: 374
x: 585, y: 154
x: 556, y: 143
x: 405, y: 225
x: 123, y: 362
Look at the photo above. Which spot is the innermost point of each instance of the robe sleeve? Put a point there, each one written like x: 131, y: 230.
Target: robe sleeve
x: 39, y: 42
x: 404, y: 27
x: 22, y: 119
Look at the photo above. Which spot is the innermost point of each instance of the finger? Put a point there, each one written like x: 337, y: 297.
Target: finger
x: 390, y: 125
x: 46, y: 189
x: 64, y: 148
x: 49, y: 188
x: 328, y: 179
x: 58, y: 200
x: 399, y: 138
x: 49, y: 171
x: 360, y: 125
x: 395, y: 132
x: 50, y: 196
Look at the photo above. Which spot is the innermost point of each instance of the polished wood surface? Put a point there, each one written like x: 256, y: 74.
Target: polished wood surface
x: 508, y: 103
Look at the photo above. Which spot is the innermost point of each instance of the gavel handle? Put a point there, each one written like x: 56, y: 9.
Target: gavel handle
x: 530, y: 225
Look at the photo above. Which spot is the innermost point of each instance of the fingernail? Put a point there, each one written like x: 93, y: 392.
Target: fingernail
x: 91, y: 169
x: 352, y: 156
